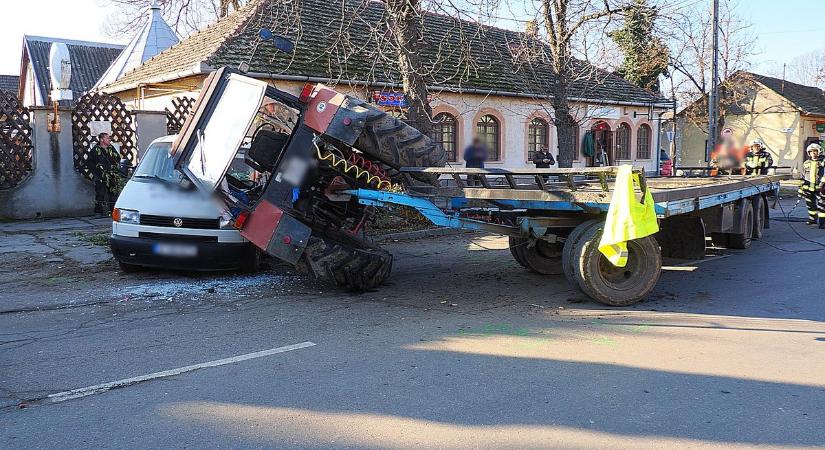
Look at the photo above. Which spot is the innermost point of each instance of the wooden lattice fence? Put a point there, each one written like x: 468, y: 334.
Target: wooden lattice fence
x: 15, y: 141
x: 181, y: 108
x: 97, y: 107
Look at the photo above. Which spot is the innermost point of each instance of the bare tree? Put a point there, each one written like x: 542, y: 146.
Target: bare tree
x: 405, y: 23
x: 691, y: 52
x: 808, y: 69
x: 185, y: 16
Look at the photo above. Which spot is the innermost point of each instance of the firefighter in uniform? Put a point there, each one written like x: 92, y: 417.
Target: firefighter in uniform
x: 105, y: 163
x: 812, y: 185
x: 758, y: 160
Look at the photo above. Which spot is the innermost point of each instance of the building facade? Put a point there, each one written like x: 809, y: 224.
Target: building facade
x: 491, y: 100
x: 785, y: 116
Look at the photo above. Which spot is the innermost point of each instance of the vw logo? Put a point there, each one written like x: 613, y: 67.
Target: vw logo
x: 178, y: 222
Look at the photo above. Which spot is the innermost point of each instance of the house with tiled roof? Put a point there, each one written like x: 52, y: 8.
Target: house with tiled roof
x: 478, y: 84
x: 10, y: 83
x: 786, y: 116
x: 89, y: 60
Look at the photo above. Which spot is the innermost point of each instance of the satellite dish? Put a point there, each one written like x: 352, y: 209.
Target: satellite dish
x: 281, y: 43
x: 60, y: 72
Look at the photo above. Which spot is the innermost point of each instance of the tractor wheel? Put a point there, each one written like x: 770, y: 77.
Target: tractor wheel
x: 396, y: 144
x: 355, y: 265
x: 617, y: 286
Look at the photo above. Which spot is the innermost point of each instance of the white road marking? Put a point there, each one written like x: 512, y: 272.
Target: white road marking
x: 99, y: 388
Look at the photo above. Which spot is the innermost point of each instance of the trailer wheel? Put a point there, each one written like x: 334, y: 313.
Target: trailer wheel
x: 568, y: 259
x: 515, y: 247
x: 743, y: 240
x: 759, y: 210
x: 617, y: 286
x: 358, y: 267
x: 393, y: 142
x: 543, y: 258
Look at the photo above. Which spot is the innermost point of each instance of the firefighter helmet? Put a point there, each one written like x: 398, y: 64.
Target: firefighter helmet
x: 814, y: 147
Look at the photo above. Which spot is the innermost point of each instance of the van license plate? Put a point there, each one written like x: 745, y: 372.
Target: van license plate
x: 176, y: 250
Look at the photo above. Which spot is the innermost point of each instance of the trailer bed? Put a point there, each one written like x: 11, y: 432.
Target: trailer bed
x: 588, y: 189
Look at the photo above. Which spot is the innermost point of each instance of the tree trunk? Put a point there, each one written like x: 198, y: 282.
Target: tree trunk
x: 406, y: 17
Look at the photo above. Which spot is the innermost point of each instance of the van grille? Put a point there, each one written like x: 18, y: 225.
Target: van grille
x: 188, y: 222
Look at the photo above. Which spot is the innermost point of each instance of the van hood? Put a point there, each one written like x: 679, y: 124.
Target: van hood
x: 155, y: 197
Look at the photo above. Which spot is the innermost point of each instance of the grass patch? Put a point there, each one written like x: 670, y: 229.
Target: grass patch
x: 101, y: 239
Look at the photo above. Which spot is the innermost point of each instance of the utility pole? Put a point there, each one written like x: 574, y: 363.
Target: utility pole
x: 713, y: 98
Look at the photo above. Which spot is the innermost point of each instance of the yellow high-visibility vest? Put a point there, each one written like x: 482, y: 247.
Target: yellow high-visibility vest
x: 627, y: 218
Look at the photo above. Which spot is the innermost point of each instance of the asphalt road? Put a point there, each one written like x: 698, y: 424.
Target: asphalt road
x: 464, y: 349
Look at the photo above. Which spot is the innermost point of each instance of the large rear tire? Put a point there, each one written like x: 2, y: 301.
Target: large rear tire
x: 352, y: 266
x: 396, y: 144
x: 617, y: 286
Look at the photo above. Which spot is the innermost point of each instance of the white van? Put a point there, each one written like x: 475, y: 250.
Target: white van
x: 161, y: 220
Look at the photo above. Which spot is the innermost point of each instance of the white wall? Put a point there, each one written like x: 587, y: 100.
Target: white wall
x: 514, y: 115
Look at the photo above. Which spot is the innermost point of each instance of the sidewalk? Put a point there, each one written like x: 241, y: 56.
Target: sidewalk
x: 33, y: 226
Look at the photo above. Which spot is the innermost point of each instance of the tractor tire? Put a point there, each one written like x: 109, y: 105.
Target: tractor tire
x: 617, y: 286
x: 396, y: 144
x: 352, y: 266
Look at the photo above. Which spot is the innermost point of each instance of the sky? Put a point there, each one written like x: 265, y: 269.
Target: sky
x: 784, y: 29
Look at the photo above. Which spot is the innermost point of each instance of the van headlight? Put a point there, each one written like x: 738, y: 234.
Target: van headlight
x: 126, y: 216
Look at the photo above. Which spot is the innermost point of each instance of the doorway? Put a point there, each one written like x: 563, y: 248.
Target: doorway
x: 603, y: 140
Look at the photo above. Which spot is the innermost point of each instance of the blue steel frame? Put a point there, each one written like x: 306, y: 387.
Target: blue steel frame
x: 442, y: 219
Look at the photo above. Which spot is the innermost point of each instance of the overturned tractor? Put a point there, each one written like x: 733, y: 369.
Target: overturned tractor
x: 307, y: 150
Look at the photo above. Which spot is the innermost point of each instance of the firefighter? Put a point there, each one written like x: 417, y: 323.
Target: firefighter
x: 812, y: 184
x: 758, y: 160
x: 105, y: 163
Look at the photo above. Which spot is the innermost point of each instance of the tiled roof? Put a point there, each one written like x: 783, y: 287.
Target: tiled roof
x: 155, y: 37
x: 459, y: 55
x: 10, y: 83
x: 89, y: 61
x: 809, y: 99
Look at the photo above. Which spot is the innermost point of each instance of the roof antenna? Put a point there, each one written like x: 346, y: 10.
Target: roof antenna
x: 783, y: 77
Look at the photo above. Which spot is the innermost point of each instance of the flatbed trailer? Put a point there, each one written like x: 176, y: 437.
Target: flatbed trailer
x: 328, y: 159
x: 554, y: 218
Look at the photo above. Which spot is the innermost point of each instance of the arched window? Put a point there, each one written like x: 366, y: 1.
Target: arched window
x: 444, y: 133
x: 643, y: 142
x: 489, y: 131
x: 537, y: 137
x: 623, y: 142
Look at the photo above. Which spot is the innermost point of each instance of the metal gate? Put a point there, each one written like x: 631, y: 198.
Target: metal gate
x: 181, y: 108
x: 97, y: 107
x: 15, y: 141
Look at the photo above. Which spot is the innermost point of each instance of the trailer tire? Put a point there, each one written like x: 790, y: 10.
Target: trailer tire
x: 515, y: 247
x: 759, y: 211
x: 568, y: 259
x: 743, y: 240
x: 543, y: 258
x: 396, y: 144
x: 617, y: 286
x: 355, y: 268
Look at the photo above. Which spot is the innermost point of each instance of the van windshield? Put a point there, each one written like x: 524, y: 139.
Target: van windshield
x: 157, y: 163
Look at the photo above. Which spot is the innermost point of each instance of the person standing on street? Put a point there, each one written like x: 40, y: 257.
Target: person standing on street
x: 474, y: 156
x: 813, y: 188
x: 758, y: 159
x: 105, y: 163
